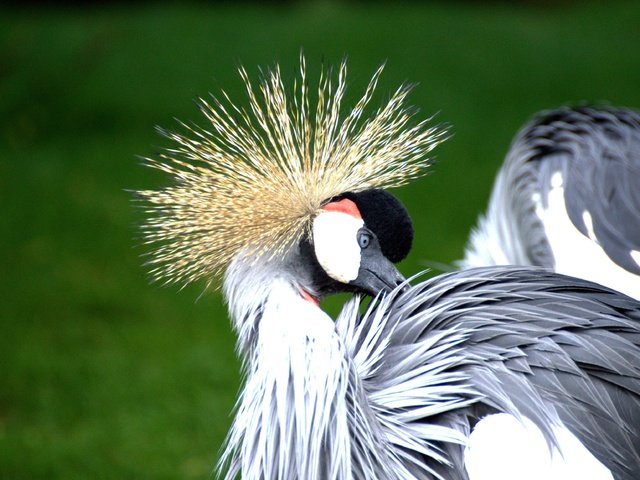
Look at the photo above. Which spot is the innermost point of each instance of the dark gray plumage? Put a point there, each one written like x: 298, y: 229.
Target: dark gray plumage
x: 531, y: 343
x: 598, y: 151
x: 593, y: 156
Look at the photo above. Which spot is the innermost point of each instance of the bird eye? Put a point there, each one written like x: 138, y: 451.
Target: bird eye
x: 364, y: 239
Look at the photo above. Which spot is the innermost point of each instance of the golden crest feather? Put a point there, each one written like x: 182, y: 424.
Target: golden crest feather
x: 253, y: 180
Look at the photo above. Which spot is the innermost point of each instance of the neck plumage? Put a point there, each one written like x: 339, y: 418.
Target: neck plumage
x: 291, y: 419
x: 320, y: 400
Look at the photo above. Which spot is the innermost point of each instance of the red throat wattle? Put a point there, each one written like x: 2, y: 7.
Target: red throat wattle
x: 309, y: 298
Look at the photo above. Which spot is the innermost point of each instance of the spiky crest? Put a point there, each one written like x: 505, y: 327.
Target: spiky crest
x: 253, y: 180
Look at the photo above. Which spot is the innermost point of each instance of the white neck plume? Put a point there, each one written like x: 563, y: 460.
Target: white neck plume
x: 291, y: 419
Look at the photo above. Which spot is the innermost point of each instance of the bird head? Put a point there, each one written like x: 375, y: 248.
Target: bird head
x: 290, y: 185
x: 355, y: 240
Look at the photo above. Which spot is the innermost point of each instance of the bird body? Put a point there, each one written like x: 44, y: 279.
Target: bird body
x: 568, y: 198
x: 400, y: 391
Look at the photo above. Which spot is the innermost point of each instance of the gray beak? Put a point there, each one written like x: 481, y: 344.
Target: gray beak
x: 377, y: 274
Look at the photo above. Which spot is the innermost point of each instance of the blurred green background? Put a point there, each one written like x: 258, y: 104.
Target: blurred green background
x: 103, y: 375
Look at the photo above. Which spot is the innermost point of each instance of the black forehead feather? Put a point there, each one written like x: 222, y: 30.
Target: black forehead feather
x: 385, y: 216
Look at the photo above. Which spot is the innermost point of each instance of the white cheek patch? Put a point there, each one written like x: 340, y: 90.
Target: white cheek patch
x: 335, y: 240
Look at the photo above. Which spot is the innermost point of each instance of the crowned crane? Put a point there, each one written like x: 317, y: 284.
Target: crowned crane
x: 568, y: 198
x: 498, y: 372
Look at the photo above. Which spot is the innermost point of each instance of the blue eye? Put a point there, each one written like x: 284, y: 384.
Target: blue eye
x: 364, y: 239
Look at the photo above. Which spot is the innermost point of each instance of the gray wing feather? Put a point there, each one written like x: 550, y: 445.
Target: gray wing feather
x: 598, y: 152
x: 522, y: 341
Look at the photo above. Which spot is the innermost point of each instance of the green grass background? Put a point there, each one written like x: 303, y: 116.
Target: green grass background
x: 103, y: 375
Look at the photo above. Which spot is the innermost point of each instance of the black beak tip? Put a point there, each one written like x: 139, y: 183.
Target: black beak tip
x: 394, y: 282
x: 401, y: 284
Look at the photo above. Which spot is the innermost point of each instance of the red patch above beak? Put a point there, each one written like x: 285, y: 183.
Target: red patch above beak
x: 345, y: 206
